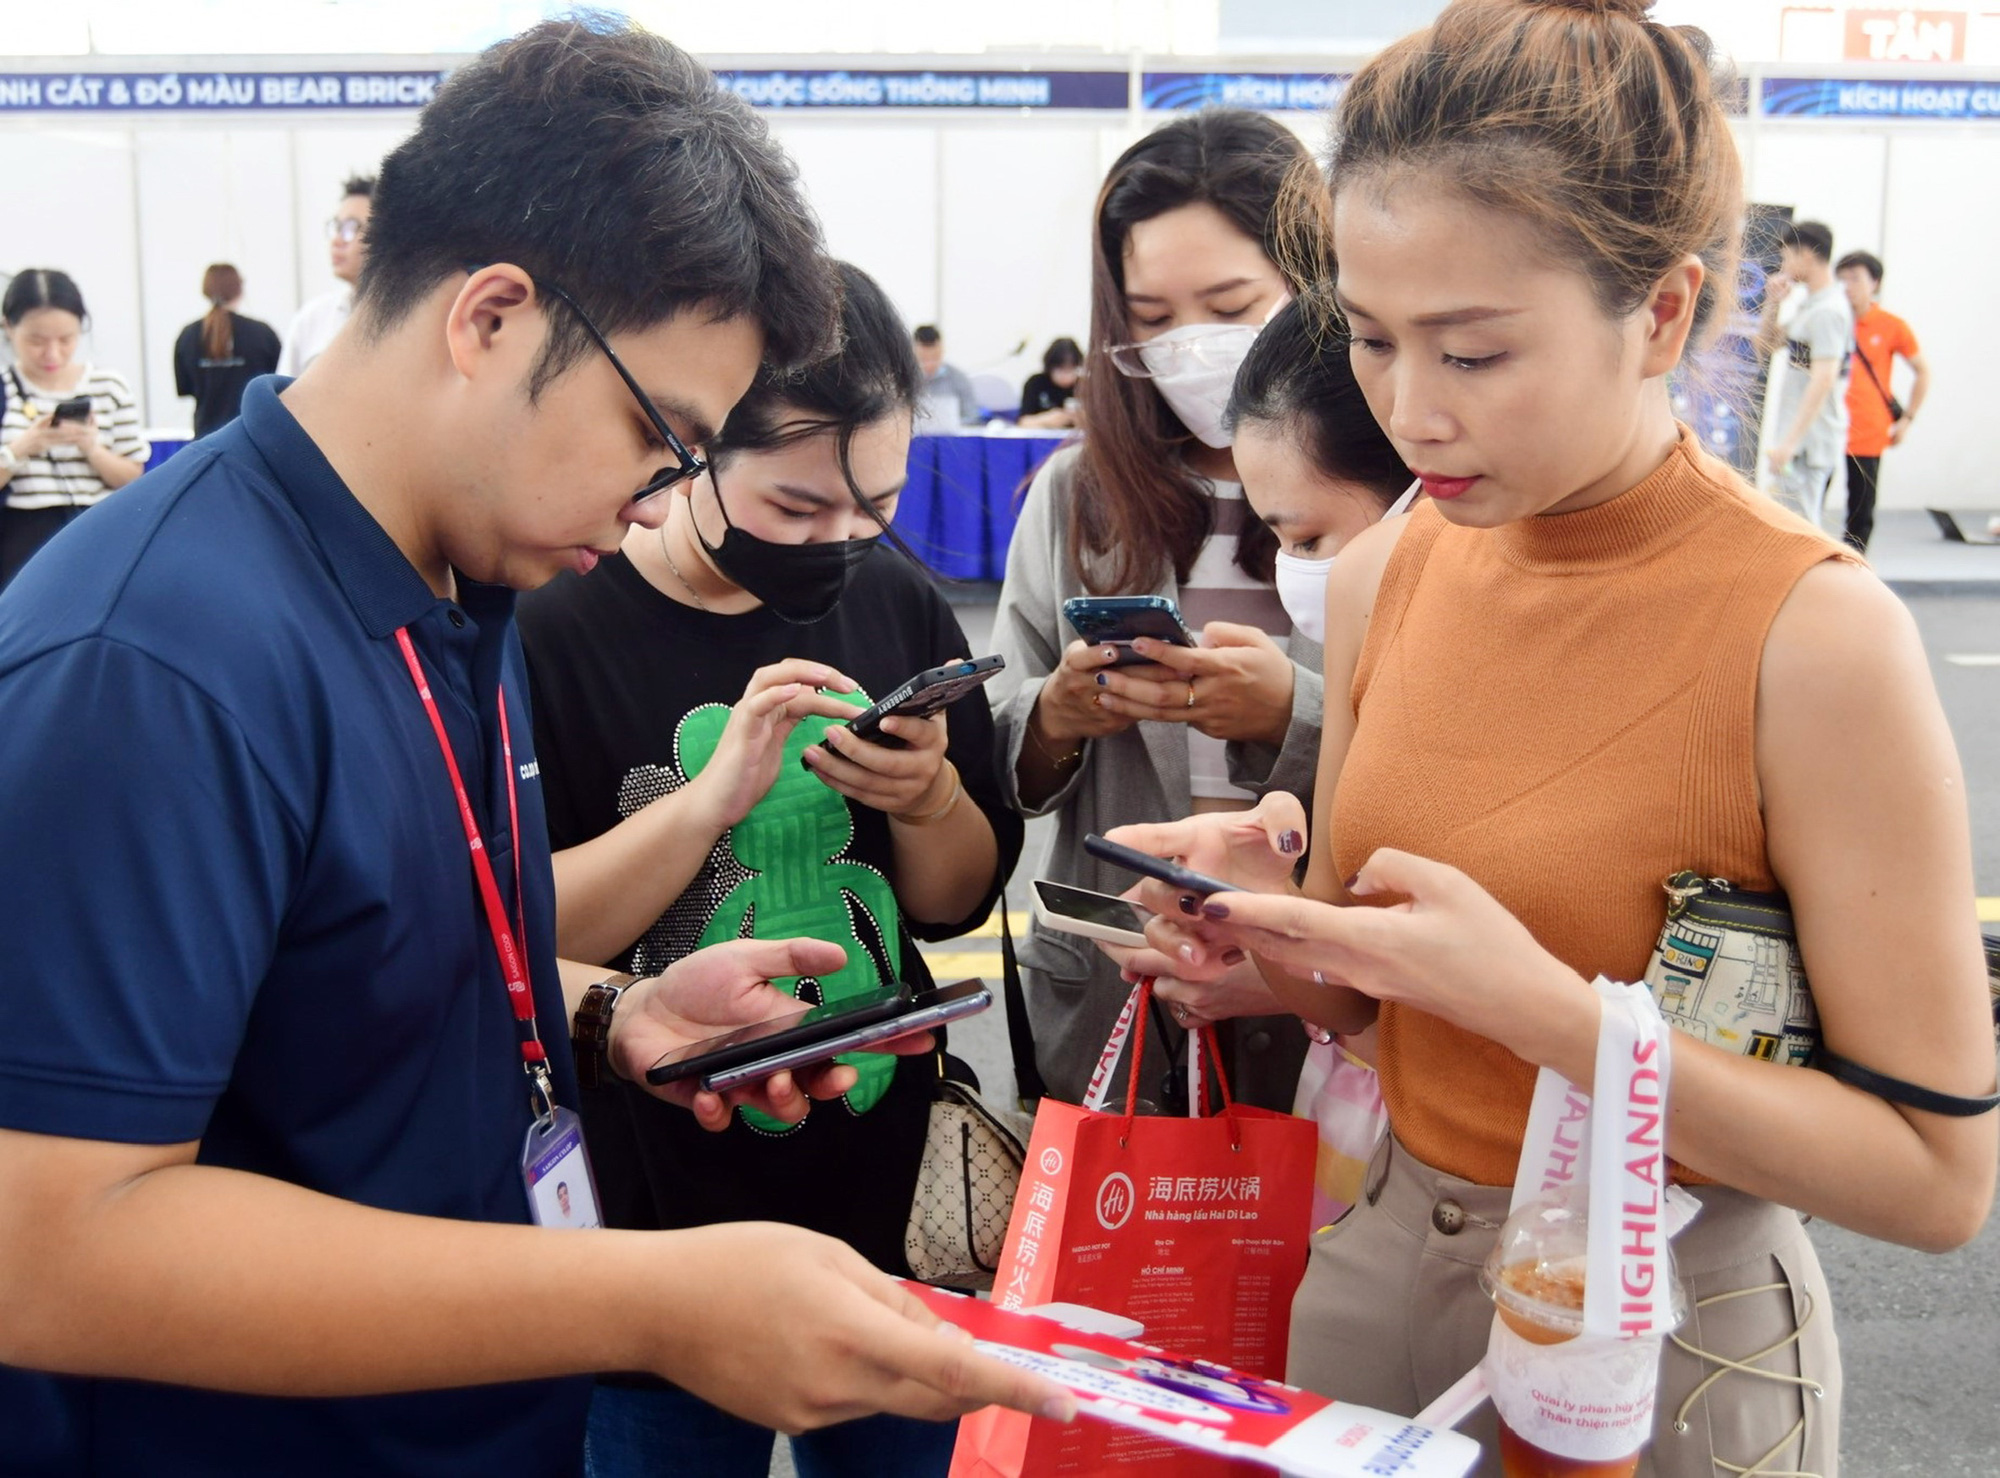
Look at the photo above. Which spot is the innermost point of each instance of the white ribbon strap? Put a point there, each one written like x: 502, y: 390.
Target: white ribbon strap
x: 1619, y: 1157
x: 1628, y: 1286
x: 1107, y: 1063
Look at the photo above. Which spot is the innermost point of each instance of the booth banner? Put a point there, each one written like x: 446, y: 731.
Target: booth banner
x: 785, y: 88
x: 212, y: 92
x: 1268, y: 92
x: 1848, y: 97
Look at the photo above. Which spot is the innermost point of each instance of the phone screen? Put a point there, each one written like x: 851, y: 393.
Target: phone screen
x: 1092, y: 908
x: 808, y: 1023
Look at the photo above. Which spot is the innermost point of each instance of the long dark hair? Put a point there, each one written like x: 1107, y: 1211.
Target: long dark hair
x: 873, y: 376
x: 1298, y: 379
x: 222, y: 285
x: 1138, y: 510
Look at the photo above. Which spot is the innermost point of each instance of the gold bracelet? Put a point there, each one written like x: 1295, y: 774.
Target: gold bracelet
x: 927, y: 817
x: 1059, y: 761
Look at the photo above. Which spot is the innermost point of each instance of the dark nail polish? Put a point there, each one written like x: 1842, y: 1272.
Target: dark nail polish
x: 1350, y: 883
x: 1213, y: 910
x: 1190, y: 905
x: 1233, y: 956
x: 1103, y: 681
x: 1290, y: 842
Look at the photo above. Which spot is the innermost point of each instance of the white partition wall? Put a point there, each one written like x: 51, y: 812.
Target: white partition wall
x: 977, y: 219
x: 1943, y: 214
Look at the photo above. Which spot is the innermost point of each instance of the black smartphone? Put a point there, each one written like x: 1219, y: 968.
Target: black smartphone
x: 923, y: 695
x: 76, y: 408
x: 1118, y: 619
x: 760, y: 1038
x: 1149, y: 866
x: 920, y: 1012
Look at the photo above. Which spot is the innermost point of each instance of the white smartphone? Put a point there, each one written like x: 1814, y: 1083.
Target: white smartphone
x: 920, y: 1012
x: 1093, y: 915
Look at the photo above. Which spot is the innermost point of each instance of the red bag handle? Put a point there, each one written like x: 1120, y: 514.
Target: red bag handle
x: 1207, y: 1036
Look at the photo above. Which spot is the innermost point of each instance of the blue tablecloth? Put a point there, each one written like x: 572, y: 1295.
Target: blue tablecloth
x: 964, y: 493
x: 957, y: 510
x: 165, y: 444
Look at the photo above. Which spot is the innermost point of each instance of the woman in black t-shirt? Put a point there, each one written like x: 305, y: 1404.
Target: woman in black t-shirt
x: 700, y: 785
x: 217, y: 355
x: 1048, y: 399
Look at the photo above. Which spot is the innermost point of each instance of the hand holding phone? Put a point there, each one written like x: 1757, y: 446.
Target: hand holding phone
x: 716, y: 990
x: 76, y: 409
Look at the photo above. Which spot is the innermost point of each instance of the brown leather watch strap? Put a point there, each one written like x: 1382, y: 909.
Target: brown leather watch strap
x: 590, y: 1028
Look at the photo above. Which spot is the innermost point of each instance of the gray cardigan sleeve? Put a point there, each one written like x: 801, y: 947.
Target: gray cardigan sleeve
x: 1029, y: 630
x: 1294, y: 764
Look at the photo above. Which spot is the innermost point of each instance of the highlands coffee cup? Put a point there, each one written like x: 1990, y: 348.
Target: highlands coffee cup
x: 1570, y: 1405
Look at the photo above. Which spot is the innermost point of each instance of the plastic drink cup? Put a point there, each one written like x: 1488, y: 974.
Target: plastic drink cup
x: 1569, y: 1406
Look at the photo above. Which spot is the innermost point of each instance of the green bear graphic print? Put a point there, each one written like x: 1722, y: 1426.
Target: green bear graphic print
x: 800, y: 884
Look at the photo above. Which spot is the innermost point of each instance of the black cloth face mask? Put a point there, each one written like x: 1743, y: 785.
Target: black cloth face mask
x: 801, y: 583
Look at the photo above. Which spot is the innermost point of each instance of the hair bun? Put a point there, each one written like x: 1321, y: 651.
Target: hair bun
x: 1630, y: 9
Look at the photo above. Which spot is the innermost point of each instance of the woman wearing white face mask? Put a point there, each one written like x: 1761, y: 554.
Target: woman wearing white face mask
x: 1198, y: 241
x: 1317, y: 471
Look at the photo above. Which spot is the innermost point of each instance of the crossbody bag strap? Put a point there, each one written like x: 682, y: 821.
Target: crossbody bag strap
x: 1876, y: 380
x: 1028, y: 1083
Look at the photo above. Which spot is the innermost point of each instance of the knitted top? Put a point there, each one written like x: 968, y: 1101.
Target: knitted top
x: 1564, y: 709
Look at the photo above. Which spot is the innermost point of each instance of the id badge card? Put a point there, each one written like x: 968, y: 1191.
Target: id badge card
x: 555, y: 1168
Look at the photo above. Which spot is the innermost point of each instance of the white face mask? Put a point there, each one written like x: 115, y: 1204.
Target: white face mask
x: 1194, y: 368
x: 1302, y: 582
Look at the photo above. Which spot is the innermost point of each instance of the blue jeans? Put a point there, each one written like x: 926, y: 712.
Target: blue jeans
x: 655, y: 1433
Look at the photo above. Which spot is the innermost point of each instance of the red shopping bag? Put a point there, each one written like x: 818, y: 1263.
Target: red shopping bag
x: 1197, y: 1228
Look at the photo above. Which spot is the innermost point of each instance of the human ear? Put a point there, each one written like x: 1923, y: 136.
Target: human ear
x: 1668, y: 315
x: 496, y: 314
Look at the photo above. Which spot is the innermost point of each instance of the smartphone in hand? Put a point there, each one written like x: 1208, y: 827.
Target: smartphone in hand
x: 1149, y: 866
x: 1117, y: 620
x: 923, y: 695
x: 919, y: 1012
x: 761, y: 1038
x: 1090, y: 915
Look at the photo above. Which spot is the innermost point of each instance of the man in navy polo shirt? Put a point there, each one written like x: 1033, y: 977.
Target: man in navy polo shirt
x: 272, y: 851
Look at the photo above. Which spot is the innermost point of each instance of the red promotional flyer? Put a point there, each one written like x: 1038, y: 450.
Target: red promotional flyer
x: 1209, y: 1407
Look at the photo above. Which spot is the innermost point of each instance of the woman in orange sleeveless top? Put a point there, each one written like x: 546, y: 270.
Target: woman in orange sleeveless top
x: 1594, y: 659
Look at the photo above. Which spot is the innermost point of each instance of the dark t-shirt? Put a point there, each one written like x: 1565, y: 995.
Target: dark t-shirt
x: 217, y: 384
x: 631, y: 691
x: 1043, y: 394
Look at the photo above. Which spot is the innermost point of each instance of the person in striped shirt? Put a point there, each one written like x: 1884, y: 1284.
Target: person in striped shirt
x: 52, y: 465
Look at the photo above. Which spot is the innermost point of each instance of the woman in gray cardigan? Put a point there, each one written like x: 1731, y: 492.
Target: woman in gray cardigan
x: 1198, y: 242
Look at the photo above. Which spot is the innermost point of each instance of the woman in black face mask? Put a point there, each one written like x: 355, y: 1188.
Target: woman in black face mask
x: 700, y: 784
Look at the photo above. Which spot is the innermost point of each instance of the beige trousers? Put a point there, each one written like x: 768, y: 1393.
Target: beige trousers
x: 1391, y: 1313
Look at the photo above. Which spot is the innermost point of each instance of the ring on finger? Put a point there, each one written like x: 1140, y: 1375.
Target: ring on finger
x: 1180, y: 1013
x: 1190, y: 683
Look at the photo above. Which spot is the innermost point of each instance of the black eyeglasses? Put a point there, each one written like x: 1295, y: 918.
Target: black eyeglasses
x: 687, y: 464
